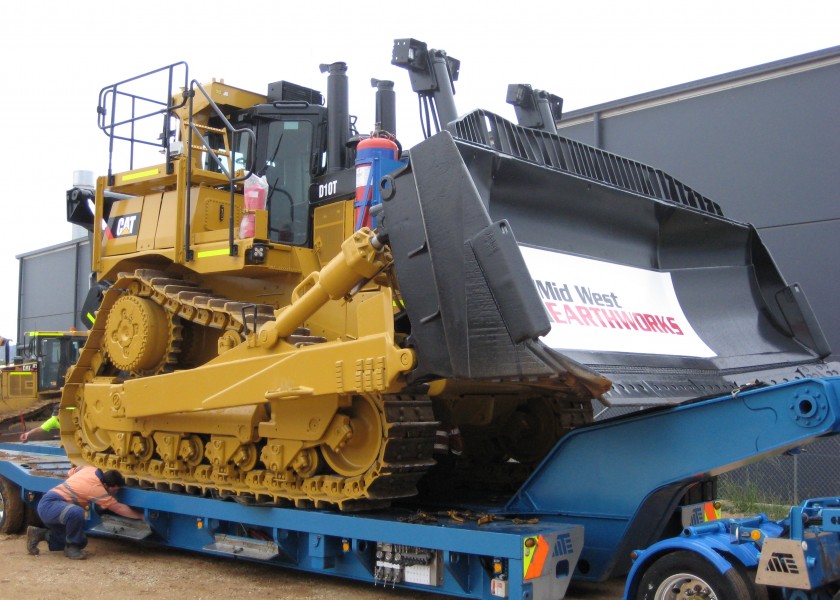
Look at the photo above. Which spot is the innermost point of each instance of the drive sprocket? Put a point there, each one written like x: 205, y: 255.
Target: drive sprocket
x: 139, y: 335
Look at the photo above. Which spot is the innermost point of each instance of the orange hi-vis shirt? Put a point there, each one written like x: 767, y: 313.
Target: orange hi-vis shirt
x: 84, y: 487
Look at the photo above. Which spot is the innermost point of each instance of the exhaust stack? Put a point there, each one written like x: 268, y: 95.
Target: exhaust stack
x: 386, y: 105
x: 338, y: 121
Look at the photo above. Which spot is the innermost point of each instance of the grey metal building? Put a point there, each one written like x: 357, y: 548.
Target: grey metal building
x: 763, y: 142
x: 53, y: 285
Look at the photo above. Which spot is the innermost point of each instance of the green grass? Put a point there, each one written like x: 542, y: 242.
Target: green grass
x: 742, y: 500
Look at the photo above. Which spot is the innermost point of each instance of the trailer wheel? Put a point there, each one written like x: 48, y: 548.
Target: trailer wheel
x: 682, y: 575
x: 760, y: 592
x: 11, y: 507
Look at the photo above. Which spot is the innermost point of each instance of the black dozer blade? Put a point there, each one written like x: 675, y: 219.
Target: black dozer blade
x: 624, y: 273
x: 472, y: 305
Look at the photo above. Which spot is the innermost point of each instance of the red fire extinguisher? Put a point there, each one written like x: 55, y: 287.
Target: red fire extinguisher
x: 381, y: 147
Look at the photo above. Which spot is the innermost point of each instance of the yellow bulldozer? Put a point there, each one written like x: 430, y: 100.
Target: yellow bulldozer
x: 30, y: 383
x: 292, y: 310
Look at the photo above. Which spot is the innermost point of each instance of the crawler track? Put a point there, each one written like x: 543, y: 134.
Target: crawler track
x: 401, y: 436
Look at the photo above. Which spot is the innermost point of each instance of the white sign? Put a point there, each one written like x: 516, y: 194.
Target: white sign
x: 605, y: 307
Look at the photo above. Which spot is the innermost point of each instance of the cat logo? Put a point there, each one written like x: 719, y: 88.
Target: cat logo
x: 124, y: 225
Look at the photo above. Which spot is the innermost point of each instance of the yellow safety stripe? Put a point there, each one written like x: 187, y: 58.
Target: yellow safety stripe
x: 140, y: 174
x: 209, y: 253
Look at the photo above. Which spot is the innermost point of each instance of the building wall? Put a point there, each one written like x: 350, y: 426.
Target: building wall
x: 53, y: 286
x: 764, y: 144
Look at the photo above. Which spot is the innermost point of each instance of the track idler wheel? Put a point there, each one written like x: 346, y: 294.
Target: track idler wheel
x: 307, y: 463
x: 91, y: 435
x: 356, y: 455
x: 191, y: 450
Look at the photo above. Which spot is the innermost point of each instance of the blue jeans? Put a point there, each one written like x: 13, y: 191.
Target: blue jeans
x: 65, y: 520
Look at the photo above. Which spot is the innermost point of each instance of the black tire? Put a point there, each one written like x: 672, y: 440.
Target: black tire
x: 684, y: 570
x: 11, y: 507
x: 760, y: 592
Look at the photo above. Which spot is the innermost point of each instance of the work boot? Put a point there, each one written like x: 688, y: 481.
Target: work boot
x: 73, y: 552
x: 34, y: 536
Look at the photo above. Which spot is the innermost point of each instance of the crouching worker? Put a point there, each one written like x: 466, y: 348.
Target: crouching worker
x: 62, y: 509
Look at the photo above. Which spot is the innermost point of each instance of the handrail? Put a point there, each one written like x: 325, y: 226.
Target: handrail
x: 232, y: 134
x: 109, y: 97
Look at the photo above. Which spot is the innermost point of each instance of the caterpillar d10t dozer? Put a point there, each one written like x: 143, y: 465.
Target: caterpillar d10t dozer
x: 307, y: 349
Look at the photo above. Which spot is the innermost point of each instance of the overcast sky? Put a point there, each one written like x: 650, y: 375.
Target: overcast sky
x: 57, y: 55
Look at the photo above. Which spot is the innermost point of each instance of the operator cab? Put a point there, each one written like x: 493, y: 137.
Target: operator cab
x: 54, y: 352
x: 290, y: 151
x: 227, y: 134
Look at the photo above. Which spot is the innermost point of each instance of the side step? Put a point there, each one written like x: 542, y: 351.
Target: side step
x: 244, y: 547
x: 121, y: 527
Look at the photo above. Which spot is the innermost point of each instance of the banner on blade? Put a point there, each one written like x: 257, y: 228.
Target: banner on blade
x: 605, y: 307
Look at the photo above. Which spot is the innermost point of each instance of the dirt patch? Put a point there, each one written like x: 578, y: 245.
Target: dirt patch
x: 127, y: 569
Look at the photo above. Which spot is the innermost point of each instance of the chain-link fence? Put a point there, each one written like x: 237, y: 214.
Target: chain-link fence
x: 813, y: 472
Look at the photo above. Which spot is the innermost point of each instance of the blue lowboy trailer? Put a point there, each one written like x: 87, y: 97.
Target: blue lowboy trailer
x: 599, y: 506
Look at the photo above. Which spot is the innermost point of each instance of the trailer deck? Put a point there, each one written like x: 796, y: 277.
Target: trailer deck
x: 530, y: 545
x: 455, y: 553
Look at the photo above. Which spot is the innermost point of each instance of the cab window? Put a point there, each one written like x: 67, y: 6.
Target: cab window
x: 287, y: 171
